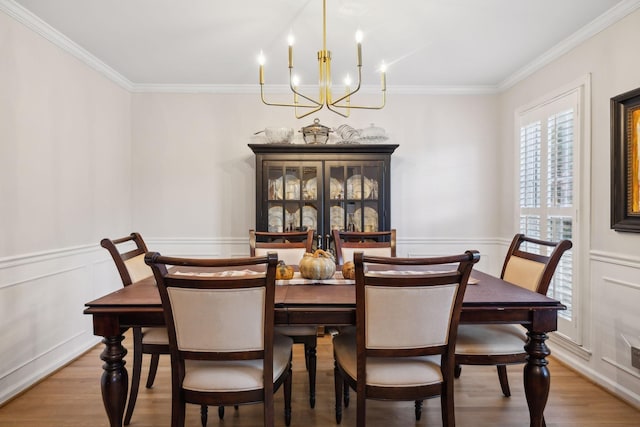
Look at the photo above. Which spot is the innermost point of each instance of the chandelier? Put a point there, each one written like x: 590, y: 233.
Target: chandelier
x: 309, y: 105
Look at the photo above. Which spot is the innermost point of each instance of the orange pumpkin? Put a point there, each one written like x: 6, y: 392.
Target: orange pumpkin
x: 284, y: 271
x: 349, y: 270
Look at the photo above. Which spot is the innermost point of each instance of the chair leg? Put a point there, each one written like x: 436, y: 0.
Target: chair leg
x: 287, y: 397
x: 418, y: 410
x: 361, y: 406
x: 457, y: 371
x: 221, y: 412
x: 504, y: 380
x: 447, y: 406
x: 311, y: 358
x: 153, y: 368
x: 178, y: 409
x: 338, y: 384
x: 135, y: 377
x: 204, y: 415
x: 346, y: 394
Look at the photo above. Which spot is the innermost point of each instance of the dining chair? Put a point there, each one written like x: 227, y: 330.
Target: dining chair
x: 128, y: 255
x: 527, y: 266
x: 403, y: 348
x: 291, y: 247
x: 373, y: 243
x: 220, y: 321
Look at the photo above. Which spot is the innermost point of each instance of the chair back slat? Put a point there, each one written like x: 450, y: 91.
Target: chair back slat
x: 290, y: 256
x: 128, y: 255
x: 347, y: 252
x: 529, y: 269
x: 374, y: 243
x: 524, y: 272
x: 290, y: 246
x: 137, y: 268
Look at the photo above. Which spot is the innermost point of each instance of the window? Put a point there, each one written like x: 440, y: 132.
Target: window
x: 549, y: 196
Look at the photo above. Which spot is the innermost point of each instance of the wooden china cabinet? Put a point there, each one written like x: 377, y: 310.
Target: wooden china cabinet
x: 323, y: 186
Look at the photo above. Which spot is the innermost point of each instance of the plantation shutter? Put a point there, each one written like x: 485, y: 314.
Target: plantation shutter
x: 547, y: 171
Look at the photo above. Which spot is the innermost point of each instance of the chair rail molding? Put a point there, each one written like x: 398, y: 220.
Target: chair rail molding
x: 615, y: 258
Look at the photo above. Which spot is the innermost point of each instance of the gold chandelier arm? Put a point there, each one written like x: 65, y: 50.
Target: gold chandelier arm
x: 300, y: 116
x: 348, y: 95
x: 330, y: 107
x: 361, y: 107
x: 296, y: 92
x: 278, y: 104
x: 365, y: 107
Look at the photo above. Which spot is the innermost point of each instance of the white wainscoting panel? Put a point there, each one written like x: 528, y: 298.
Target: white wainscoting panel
x: 615, y: 292
x: 42, y: 299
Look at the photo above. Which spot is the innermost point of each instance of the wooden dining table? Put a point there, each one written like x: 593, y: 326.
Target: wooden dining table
x: 488, y: 299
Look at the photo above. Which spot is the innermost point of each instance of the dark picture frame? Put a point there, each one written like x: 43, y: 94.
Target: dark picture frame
x: 625, y: 162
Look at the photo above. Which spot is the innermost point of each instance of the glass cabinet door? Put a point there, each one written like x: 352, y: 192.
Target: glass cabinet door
x: 353, y: 199
x: 293, y: 190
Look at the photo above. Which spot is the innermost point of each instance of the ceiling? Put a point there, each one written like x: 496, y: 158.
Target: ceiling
x: 425, y: 43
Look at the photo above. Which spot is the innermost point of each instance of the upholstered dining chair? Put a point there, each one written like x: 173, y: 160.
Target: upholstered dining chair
x: 503, y: 345
x: 291, y: 247
x: 403, y: 347
x: 372, y: 243
x: 128, y: 255
x: 220, y: 321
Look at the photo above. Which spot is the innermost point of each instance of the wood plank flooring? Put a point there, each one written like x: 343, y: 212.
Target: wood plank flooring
x: 71, y: 398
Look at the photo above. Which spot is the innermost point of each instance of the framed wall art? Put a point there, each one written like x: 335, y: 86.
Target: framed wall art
x: 625, y: 162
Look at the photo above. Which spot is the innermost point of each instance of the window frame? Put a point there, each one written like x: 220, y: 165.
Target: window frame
x: 571, y: 332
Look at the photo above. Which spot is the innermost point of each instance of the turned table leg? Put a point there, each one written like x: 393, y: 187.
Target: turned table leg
x: 115, y: 380
x: 536, y: 377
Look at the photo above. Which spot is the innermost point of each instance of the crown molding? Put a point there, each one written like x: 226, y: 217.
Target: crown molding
x: 284, y: 89
x: 33, y: 22
x: 605, y: 20
x: 26, y: 17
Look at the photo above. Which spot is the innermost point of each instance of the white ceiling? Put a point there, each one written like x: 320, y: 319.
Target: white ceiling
x: 426, y: 43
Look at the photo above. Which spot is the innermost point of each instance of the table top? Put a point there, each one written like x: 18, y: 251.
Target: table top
x: 489, y: 291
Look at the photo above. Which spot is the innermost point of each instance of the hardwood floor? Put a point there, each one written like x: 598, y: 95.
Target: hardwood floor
x: 71, y: 398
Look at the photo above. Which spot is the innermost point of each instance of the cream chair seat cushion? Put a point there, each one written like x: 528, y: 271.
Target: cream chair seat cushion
x: 237, y: 375
x: 155, y: 336
x: 490, y: 339
x: 387, y: 372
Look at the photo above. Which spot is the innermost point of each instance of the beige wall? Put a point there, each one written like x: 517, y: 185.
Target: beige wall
x: 65, y: 151
x: 65, y: 182
x: 195, y: 175
x: 609, y: 291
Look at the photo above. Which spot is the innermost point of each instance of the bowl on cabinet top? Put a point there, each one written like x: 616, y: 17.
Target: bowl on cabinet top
x: 278, y: 135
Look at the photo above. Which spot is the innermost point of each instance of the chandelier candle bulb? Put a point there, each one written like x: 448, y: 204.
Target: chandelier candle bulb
x: 359, y: 44
x: 261, y: 62
x: 290, y: 40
